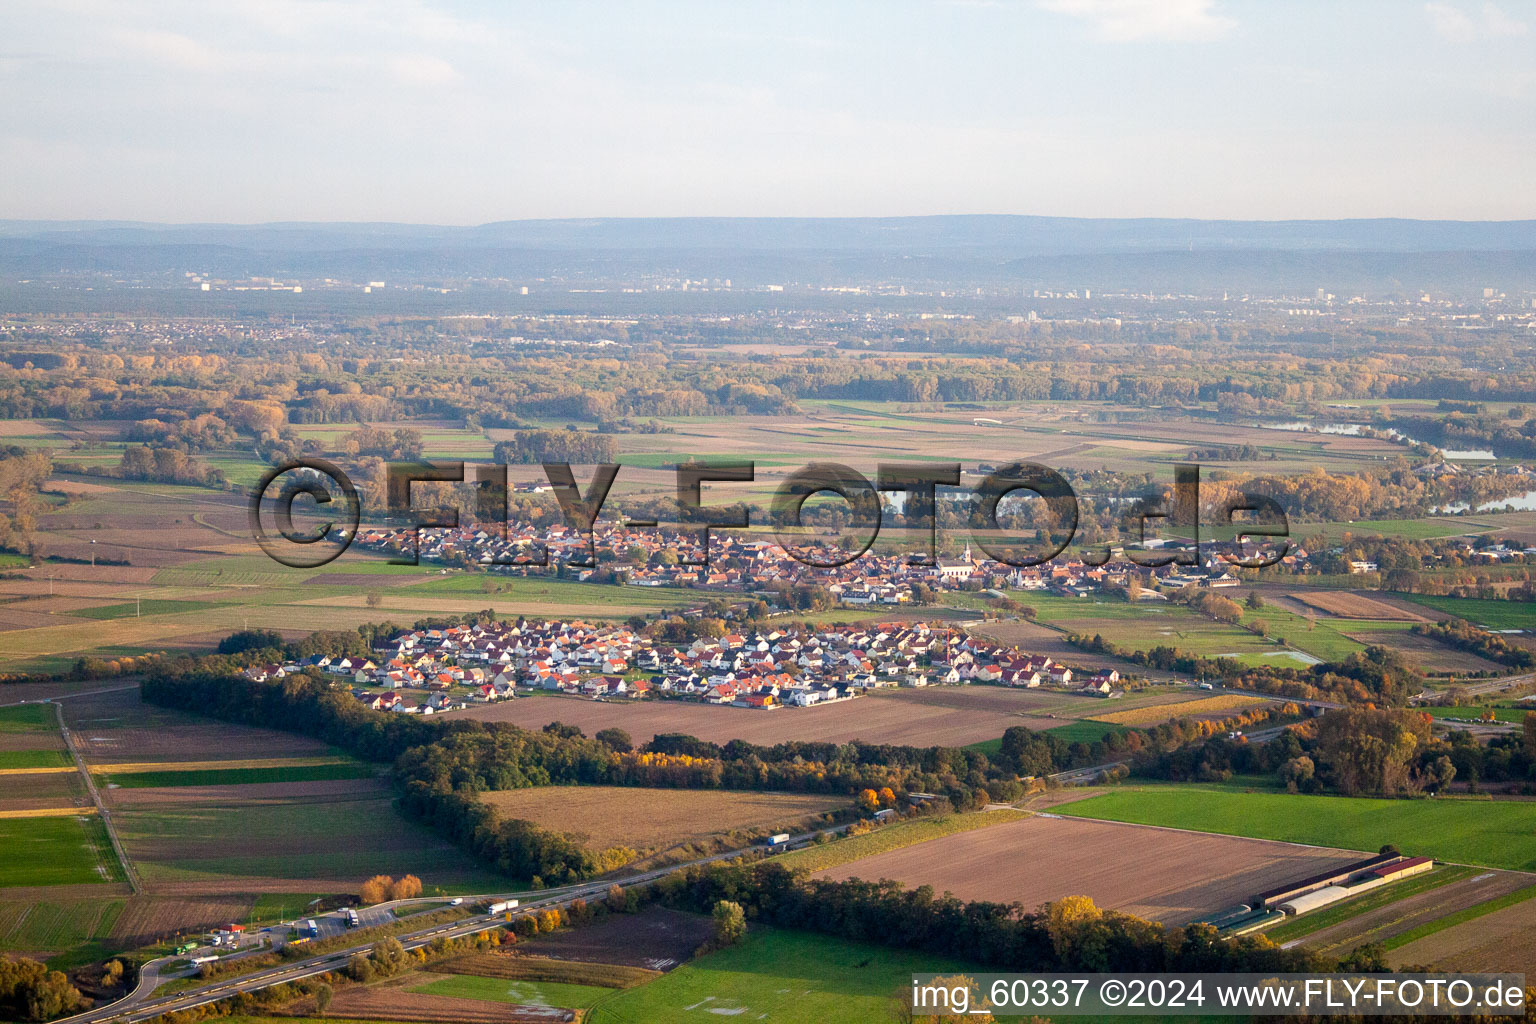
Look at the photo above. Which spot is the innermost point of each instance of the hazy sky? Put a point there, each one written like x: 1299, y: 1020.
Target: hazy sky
x: 441, y: 112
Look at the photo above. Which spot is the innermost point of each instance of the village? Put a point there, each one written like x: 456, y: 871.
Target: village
x: 458, y: 666
x: 742, y: 564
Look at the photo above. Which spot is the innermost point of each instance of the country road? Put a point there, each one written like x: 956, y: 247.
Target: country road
x: 129, y: 871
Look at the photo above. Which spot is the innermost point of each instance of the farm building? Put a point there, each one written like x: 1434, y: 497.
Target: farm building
x: 1283, y: 893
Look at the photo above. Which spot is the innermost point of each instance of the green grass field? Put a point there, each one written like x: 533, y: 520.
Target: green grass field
x: 28, y: 718
x: 893, y: 837
x: 1081, y: 731
x: 75, y: 932
x: 56, y: 851
x: 147, y: 606
x: 1411, y: 529
x: 11, y: 759
x: 1490, y: 833
x: 346, y: 838
x: 238, y: 776
x: 781, y: 977
x: 280, y: 906
x: 1488, y: 614
x: 502, y: 990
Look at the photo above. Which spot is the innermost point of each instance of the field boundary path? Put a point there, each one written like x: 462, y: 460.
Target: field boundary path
x: 101, y: 807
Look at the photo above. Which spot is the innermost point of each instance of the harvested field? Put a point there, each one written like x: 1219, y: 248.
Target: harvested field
x: 1406, y: 914
x: 118, y: 728
x: 878, y: 719
x: 656, y: 939
x: 148, y: 919
x: 1427, y: 652
x: 647, y: 819
x: 255, y: 794
x: 362, y: 580
x: 291, y: 837
x: 512, y: 966
x: 1208, y: 707
x: 1504, y: 940
x: 990, y: 699
x: 1180, y: 875
x: 390, y: 1001
x: 1038, y: 639
x: 1355, y: 606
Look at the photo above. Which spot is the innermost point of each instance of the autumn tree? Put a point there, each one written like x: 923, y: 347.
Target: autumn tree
x: 868, y: 800
x: 376, y: 889
x: 406, y: 888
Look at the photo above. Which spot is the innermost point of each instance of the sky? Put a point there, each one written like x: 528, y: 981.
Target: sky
x: 462, y: 113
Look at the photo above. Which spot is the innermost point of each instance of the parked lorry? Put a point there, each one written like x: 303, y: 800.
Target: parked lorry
x: 352, y: 921
x: 310, y: 929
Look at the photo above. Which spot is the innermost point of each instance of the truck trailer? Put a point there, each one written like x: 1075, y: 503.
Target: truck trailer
x: 501, y: 907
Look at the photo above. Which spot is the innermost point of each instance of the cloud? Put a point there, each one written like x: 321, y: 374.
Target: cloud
x: 1458, y: 25
x: 1129, y: 20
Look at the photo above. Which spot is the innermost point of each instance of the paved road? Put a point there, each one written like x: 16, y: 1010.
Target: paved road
x: 140, y: 1004
x: 101, y: 807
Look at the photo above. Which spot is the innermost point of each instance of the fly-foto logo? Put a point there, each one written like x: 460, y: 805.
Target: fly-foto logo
x: 330, y: 488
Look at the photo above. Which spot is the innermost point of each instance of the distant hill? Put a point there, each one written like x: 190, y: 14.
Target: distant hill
x: 1377, y: 257
x: 1002, y: 235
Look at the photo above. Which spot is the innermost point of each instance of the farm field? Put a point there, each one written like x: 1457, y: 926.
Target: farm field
x: 1042, y: 858
x: 781, y: 977
x: 1346, y: 605
x: 48, y: 851
x: 896, y: 836
x: 285, y: 837
x: 275, y: 773
x: 650, y: 818
x: 883, y: 718
x: 392, y: 998
x: 1428, y: 653
x: 1205, y: 707
x: 926, y: 716
x: 1487, y: 833
x: 23, y: 760
x: 1482, y: 612
x: 655, y: 939
x: 1412, y: 529
x: 23, y: 719
x: 74, y: 928
x: 118, y: 728
x: 1504, y: 940
x: 505, y: 990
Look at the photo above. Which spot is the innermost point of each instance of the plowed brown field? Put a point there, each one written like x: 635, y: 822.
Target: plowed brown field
x: 887, y: 718
x: 1161, y: 874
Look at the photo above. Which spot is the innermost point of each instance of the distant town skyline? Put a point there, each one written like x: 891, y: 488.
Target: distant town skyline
x: 458, y: 113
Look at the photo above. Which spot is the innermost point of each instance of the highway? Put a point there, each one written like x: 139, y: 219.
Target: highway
x: 141, y: 1004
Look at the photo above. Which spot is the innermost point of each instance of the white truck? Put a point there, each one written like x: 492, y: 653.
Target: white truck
x: 501, y: 907
x: 778, y: 840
